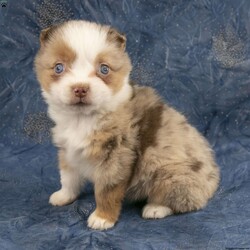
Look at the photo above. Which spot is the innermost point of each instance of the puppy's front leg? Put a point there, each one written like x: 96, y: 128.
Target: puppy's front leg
x: 71, y: 182
x: 108, y: 206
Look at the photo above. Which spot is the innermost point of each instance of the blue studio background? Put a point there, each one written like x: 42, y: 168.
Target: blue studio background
x: 196, y: 53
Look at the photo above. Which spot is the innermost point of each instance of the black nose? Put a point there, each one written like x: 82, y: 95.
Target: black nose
x: 81, y: 91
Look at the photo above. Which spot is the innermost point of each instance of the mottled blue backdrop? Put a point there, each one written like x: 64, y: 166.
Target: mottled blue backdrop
x: 196, y: 54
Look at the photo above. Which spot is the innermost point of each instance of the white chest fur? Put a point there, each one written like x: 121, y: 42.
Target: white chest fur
x: 72, y: 134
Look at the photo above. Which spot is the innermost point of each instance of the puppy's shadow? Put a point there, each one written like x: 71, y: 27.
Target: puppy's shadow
x: 132, y: 208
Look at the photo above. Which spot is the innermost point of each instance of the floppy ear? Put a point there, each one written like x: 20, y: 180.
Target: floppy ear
x: 115, y: 37
x: 45, y: 35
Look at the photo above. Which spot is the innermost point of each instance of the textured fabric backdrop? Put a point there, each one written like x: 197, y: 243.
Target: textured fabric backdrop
x: 196, y: 54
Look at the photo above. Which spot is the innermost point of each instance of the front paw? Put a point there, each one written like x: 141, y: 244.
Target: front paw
x: 96, y: 222
x: 61, y: 198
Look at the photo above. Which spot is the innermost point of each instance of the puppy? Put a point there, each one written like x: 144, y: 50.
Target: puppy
x: 121, y: 137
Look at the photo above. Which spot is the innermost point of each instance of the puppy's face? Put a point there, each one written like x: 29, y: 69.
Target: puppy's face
x: 83, y: 66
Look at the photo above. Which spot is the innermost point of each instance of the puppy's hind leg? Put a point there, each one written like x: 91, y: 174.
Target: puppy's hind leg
x: 179, y: 195
x: 155, y: 211
x: 156, y: 208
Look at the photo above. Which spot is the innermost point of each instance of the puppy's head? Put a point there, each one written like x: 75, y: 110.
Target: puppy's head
x: 83, y: 66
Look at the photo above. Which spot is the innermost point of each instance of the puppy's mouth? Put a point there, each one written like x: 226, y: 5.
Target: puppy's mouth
x: 81, y: 102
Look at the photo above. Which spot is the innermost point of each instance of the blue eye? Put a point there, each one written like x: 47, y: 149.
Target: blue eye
x: 104, y: 69
x: 59, y: 68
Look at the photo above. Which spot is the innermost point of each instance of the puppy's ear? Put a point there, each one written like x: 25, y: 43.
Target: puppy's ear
x: 46, y: 34
x: 115, y: 37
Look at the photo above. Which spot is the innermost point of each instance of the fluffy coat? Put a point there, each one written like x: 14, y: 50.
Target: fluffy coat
x: 120, y: 136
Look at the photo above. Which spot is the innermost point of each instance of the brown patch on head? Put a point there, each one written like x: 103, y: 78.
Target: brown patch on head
x: 196, y: 166
x: 53, y: 50
x: 116, y: 59
x: 119, y: 67
x: 149, y: 126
